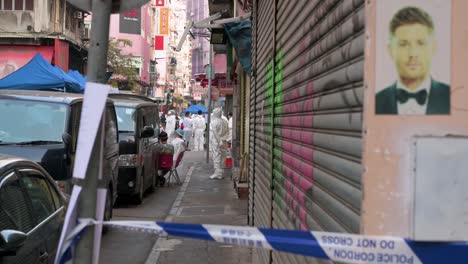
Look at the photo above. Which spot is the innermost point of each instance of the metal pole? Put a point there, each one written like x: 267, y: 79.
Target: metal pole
x: 99, y: 41
x: 96, y: 73
x: 210, y: 71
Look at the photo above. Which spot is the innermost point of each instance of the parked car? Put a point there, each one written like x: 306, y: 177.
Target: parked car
x: 138, y: 125
x: 43, y: 127
x: 32, y: 212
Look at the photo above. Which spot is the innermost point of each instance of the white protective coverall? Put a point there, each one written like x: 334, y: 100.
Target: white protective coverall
x: 179, y: 146
x: 225, y: 123
x: 199, y: 126
x: 188, y: 130
x: 218, y: 136
x: 229, y: 139
x: 170, y: 126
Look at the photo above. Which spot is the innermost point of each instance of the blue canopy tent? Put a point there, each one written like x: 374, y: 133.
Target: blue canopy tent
x: 38, y: 74
x: 80, y: 78
x: 194, y: 109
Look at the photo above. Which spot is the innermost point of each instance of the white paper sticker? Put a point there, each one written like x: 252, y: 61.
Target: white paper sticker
x: 241, y: 236
x: 93, y: 106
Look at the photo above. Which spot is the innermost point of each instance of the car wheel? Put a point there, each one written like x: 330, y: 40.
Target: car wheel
x: 139, y: 195
x: 154, y: 182
x: 108, y: 210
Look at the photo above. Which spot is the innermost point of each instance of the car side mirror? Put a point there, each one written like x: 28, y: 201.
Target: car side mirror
x: 11, y: 241
x: 67, y: 138
x: 147, y: 132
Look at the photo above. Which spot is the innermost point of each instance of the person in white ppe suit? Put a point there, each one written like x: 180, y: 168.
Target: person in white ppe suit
x: 230, y: 128
x: 218, y: 144
x: 199, y: 126
x: 170, y: 125
x: 178, y: 143
x: 188, y: 128
x: 225, y: 123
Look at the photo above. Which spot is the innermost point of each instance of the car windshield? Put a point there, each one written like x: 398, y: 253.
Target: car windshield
x: 126, y: 119
x: 31, y: 121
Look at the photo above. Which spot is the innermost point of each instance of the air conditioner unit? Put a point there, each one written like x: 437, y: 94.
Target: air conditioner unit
x: 78, y: 15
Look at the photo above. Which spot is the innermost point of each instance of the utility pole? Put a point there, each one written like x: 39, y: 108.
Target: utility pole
x: 209, y: 73
x: 96, y: 73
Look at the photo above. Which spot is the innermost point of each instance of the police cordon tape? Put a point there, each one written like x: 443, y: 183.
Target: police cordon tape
x: 342, y: 247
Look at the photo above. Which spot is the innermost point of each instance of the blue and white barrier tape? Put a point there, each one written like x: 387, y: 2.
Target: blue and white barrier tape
x: 332, y: 246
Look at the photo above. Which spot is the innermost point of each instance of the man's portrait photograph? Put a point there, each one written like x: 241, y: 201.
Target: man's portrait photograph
x: 413, y: 57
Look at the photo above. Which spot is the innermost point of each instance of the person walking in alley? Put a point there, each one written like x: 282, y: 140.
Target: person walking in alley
x: 188, y: 128
x: 199, y: 126
x: 170, y: 125
x: 218, y: 144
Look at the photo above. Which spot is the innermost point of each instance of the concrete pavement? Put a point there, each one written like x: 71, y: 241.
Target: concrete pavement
x: 203, y: 201
x: 198, y: 200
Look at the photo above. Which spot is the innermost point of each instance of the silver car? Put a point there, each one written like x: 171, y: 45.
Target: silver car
x: 32, y: 212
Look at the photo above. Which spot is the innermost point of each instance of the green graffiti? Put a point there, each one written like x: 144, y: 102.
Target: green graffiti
x: 279, y: 73
x: 277, y: 98
x: 270, y: 80
x: 278, y: 175
x: 274, y: 87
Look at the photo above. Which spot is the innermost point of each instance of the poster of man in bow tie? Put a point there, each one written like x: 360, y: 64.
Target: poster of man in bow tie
x: 413, y: 57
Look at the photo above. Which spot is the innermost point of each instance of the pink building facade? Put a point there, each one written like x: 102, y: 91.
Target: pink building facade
x: 142, y: 46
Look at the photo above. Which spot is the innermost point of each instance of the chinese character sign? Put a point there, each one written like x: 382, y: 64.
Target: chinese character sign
x: 164, y: 21
x: 159, y: 2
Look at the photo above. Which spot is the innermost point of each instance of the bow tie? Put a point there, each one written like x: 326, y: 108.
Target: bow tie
x: 403, y: 96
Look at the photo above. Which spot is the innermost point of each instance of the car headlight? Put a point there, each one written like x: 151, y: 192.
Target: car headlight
x: 128, y: 160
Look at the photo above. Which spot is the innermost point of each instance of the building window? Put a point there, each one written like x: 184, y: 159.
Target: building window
x: 7, y: 4
x: 18, y: 5
x: 29, y: 5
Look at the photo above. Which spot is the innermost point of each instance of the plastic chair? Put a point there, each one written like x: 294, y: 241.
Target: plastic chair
x: 173, y: 174
x: 166, y: 162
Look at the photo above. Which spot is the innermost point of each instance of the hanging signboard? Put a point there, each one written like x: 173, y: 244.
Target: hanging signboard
x: 159, y: 2
x: 214, y: 93
x: 164, y: 21
x: 130, y: 22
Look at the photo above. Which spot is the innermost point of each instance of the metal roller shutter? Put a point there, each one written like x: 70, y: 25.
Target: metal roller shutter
x: 315, y: 102
x: 252, y: 119
x: 261, y: 112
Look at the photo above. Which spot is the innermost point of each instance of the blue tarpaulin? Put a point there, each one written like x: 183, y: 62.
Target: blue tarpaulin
x: 38, y: 74
x: 194, y: 109
x: 240, y: 36
x: 80, y: 78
